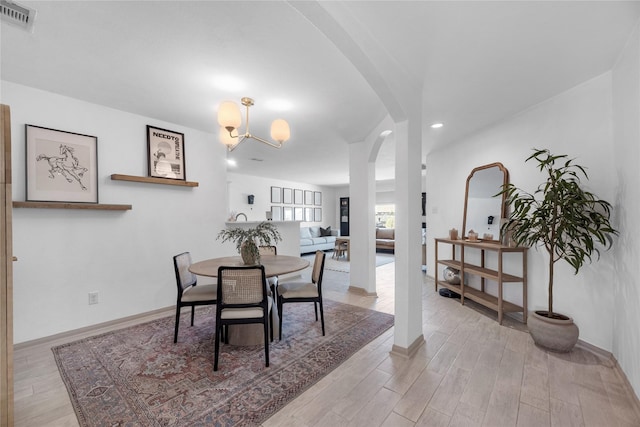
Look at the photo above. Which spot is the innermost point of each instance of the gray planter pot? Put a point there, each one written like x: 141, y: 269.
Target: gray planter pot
x: 559, y: 335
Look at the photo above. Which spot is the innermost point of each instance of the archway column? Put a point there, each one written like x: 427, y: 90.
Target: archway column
x: 362, y: 199
x: 408, y: 275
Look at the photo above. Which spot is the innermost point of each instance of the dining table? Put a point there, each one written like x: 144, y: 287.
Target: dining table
x: 347, y: 241
x: 274, y: 265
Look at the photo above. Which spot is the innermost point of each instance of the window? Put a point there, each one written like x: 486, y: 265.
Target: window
x: 386, y: 216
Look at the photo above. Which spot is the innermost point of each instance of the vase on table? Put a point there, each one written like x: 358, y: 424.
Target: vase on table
x: 249, y: 253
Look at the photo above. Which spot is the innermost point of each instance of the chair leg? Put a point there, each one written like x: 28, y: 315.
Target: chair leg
x: 175, y: 334
x: 217, y: 347
x: 280, y: 308
x: 266, y: 343
x: 322, y: 317
x: 271, y: 326
x: 315, y: 307
x: 193, y: 313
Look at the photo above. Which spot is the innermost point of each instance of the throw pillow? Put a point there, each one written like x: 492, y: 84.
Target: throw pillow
x: 325, y: 231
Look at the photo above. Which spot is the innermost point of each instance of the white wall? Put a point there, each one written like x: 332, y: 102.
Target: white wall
x: 240, y: 186
x: 578, y: 123
x: 625, y: 286
x: 125, y: 256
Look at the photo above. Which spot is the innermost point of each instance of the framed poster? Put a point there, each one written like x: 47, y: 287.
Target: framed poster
x: 308, y: 197
x: 287, y: 196
x: 308, y: 214
x: 61, y: 166
x: 276, y: 195
x: 165, y: 150
x: 317, y: 198
x: 287, y: 213
x: 297, y: 197
x: 276, y: 213
x: 297, y: 214
x: 317, y: 214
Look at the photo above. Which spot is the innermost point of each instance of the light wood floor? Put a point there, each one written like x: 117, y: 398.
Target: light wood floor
x: 471, y: 372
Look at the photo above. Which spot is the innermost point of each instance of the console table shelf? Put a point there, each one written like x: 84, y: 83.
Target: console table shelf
x: 497, y: 275
x: 153, y: 180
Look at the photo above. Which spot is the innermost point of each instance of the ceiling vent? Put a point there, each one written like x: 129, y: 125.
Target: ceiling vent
x: 16, y: 14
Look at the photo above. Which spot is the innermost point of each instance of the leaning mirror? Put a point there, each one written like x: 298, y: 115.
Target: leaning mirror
x: 482, y: 208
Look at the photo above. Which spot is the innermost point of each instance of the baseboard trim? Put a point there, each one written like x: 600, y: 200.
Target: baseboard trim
x: 361, y: 291
x: 407, y: 353
x: 94, y: 328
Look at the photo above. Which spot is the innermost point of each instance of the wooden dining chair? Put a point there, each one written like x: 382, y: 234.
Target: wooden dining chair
x: 243, y: 299
x: 271, y: 281
x: 190, y: 295
x: 300, y: 291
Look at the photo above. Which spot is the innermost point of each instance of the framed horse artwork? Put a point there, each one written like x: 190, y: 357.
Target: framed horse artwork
x: 61, y: 166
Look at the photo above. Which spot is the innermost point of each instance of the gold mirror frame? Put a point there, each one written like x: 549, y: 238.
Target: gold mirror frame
x: 477, y: 176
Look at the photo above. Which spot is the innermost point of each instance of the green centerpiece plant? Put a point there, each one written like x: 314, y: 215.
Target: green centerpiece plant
x: 569, y: 222
x: 247, y: 240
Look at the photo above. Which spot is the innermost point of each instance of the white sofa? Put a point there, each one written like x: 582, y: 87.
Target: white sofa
x: 311, y: 239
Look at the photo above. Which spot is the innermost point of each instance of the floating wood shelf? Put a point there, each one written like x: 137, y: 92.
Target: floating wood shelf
x: 152, y: 180
x: 61, y: 205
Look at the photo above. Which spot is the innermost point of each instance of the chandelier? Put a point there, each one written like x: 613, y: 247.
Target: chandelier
x: 229, y: 119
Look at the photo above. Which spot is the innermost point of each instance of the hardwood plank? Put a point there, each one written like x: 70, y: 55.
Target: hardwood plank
x: 395, y: 420
x: 564, y: 414
x: 448, y: 393
x: 479, y: 387
x: 377, y: 409
x: 528, y: 416
x: 535, y: 388
x: 416, y: 399
x: 467, y: 416
x: 433, y: 418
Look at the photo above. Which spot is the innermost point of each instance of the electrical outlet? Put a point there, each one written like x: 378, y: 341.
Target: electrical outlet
x: 93, y: 298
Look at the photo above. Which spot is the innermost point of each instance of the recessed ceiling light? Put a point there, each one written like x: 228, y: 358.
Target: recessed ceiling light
x: 437, y: 125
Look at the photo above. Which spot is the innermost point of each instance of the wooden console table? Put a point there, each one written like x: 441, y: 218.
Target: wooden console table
x: 497, y: 275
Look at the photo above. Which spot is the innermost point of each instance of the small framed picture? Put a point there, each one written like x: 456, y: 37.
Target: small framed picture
x: 276, y: 195
x: 287, y: 213
x: 61, y: 166
x: 276, y: 213
x: 297, y: 197
x: 308, y: 214
x: 317, y: 198
x: 298, y: 214
x: 165, y: 149
x: 287, y: 196
x: 317, y: 214
x: 308, y: 197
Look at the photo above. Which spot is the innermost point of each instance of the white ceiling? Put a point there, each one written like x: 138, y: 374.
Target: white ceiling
x: 478, y: 62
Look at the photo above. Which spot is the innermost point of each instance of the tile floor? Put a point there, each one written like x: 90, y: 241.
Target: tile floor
x: 471, y: 372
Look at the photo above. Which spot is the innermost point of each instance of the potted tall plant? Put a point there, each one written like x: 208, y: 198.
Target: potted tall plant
x: 247, y: 240
x: 569, y: 223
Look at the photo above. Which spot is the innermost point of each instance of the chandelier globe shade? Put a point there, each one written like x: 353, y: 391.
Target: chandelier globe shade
x: 280, y: 130
x: 230, y: 119
x: 229, y: 116
x: 226, y: 137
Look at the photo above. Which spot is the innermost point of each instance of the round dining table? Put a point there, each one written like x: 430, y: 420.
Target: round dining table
x: 274, y: 265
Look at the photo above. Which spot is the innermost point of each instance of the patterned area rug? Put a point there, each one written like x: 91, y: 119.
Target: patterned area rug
x: 138, y: 376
